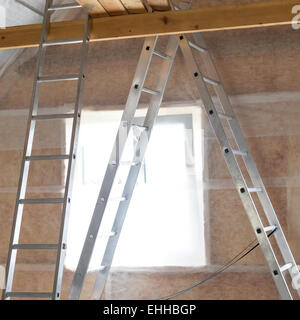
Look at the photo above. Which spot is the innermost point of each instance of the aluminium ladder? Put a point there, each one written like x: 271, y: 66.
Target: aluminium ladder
x: 230, y: 155
x: 127, y: 121
x: 140, y: 148
x: 261, y: 231
x: 60, y: 247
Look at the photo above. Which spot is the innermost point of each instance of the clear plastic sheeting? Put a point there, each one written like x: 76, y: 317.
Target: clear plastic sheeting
x: 18, y: 14
x: 185, y: 218
x: 23, y: 12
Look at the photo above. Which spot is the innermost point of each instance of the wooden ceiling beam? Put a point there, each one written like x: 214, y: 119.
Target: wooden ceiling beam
x: 258, y: 14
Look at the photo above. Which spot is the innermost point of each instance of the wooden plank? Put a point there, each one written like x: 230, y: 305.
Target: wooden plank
x: 159, y: 5
x: 258, y: 14
x: 134, y: 6
x: 94, y: 7
x: 113, y: 7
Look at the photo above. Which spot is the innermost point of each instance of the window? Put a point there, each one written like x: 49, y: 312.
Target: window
x: 164, y: 223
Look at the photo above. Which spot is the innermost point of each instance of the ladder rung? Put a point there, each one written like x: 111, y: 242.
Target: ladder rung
x: 286, y: 266
x: 65, y: 6
x: 255, y: 189
x: 156, y: 93
x: 210, y: 81
x: 48, y: 157
x: 59, y: 78
x: 131, y: 163
x: 117, y: 198
x: 193, y: 45
x: 41, y: 200
x: 224, y: 116
x: 48, y: 43
x: 53, y: 116
x: 140, y: 127
x: 162, y: 55
x: 106, y: 235
x: 239, y: 153
x: 270, y: 228
x: 29, y: 294
x: 35, y: 246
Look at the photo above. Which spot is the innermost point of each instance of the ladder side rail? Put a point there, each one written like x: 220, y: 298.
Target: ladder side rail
x: 127, y: 118
x: 116, y: 230
x: 233, y: 166
x: 131, y: 180
x: 71, y: 163
x: 250, y: 164
x: 21, y: 191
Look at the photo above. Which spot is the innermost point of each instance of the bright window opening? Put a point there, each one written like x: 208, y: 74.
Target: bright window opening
x: 164, y: 224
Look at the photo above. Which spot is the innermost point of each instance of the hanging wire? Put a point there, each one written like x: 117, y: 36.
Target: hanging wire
x: 234, y: 260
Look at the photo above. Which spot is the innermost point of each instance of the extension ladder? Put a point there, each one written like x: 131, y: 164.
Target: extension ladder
x: 60, y: 246
x: 230, y: 154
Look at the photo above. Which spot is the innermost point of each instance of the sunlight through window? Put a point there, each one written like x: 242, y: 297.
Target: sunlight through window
x: 164, y: 224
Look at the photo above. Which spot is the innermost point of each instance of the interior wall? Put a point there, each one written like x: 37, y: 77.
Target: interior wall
x: 259, y: 70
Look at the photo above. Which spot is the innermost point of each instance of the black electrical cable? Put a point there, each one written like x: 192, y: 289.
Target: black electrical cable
x: 234, y: 260
x: 220, y: 270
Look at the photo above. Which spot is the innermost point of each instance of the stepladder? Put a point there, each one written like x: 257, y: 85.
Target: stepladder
x: 233, y: 147
x: 35, y: 116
